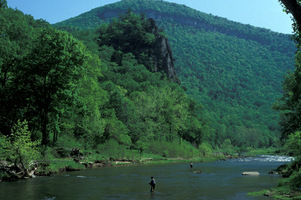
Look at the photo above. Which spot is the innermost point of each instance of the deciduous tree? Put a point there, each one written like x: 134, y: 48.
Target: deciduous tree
x: 50, y: 75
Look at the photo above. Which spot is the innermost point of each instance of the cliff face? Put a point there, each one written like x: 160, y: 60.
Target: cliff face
x: 162, y: 55
x: 167, y: 65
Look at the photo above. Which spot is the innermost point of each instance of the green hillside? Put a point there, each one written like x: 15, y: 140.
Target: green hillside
x: 57, y: 96
x: 234, y: 70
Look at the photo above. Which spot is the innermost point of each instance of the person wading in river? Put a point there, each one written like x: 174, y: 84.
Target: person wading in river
x: 152, y: 184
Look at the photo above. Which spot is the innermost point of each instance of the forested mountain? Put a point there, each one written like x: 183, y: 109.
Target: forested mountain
x: 181, y: 84
x: 56, y: 93
x: 234, y: 70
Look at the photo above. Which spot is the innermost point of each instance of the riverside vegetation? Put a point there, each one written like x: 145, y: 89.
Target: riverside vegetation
x: 111, y: 90
x: 290, y: 108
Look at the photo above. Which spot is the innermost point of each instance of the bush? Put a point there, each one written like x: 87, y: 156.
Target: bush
x: 112, y: 149
x: 19, y: 149
x: 205, y: 148
x: 172, y: 149
x: 227, y: 147
x: 69, y: 142
x: 293, y: 144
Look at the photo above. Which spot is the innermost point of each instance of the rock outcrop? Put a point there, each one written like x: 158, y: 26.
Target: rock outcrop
x: 161, y: 53
x: 11, y: 172
x: 167, y: 65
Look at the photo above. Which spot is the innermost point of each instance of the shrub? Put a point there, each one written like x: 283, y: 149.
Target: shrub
x: 112, y: 149
x: 205, y: 148
x: 293, y: 144
x: 173, y: 149
x: 19, y: 149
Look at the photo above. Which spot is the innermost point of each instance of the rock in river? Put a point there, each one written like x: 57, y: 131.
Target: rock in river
x: 250, y: 173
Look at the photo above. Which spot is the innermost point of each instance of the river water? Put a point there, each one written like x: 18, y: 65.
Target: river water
x: 218, y: 180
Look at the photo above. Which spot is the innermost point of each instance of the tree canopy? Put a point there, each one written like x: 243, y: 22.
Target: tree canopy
x: 234, y: 70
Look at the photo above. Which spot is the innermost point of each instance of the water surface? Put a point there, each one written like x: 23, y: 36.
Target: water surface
x: 219, y: 180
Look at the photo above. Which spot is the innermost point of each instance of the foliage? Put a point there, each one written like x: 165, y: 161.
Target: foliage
x: 62, y: 165
x: 205, y: 148
x: 172, y: 149
x: 262, y: 151
x: 19, y: 148
x: 112, y: 149
x: 129, y: 33
x: 289, y: 103
x: 3, y: 4
x: 227, y: 147
x: 16, y: 37
x: 293, y: 144
x: 290, y: 109
x: 219, y: 62
x: 110, y: 99
x: 291, y: 174
x: 142, y: 106
x: 49, y: 75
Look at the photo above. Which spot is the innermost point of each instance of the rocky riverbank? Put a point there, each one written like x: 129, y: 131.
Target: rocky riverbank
x: 75, y: 160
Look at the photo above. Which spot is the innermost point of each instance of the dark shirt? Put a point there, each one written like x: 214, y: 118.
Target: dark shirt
x: 153, y: 182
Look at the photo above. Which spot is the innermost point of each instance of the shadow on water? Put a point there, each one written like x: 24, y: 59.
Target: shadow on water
x: 218, y: 180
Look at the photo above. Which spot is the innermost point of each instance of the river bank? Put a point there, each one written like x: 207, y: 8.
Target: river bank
x: 82, y: 161
x: 289, y: 186
x: 90, y: 161
x: 76, y: 160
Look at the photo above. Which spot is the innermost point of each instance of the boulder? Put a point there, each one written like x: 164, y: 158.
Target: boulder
x: 274, y: 173
x: 251, y: 173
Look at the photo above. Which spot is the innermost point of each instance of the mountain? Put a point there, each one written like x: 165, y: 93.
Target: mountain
x: 234, y: 70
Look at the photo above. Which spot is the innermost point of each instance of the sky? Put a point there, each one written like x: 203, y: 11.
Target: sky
x: 260, y: 13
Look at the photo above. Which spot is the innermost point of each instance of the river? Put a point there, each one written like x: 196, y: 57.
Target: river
x: 218, y: 180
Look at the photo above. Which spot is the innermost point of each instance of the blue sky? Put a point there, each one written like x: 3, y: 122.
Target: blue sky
x: 261, y: 13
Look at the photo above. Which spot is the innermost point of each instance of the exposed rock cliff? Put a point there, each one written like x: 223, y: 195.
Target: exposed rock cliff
x: 168, y: 62
x: 162, y: 56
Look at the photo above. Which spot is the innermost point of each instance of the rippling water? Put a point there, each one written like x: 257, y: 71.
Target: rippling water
x: 218, y: 180
x: 266, y: 158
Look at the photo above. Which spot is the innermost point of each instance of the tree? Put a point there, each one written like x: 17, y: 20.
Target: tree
x: 131, y: 33
x: 289, y: 106
x: 49, y: 76
x: 293, y: 144
x: 17, y: 32
x: 3, y: 4
x: 290, y: 102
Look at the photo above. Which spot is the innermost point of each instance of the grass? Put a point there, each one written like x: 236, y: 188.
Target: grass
x: 281, y: 193
x: 55, y: 165
x: 262, y: 151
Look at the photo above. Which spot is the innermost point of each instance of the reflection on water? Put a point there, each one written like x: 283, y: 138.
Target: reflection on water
x: 218, y: 180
